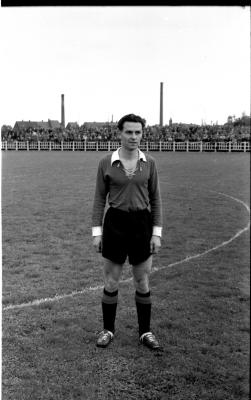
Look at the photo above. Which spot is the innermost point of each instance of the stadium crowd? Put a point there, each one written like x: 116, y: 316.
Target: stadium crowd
x: 235, y: 131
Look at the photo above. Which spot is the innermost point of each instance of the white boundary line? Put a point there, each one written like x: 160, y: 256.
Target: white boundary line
x: 240, y: 232
x: 37, y: 302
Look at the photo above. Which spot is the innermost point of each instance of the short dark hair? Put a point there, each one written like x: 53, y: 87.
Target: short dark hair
x: 131, y: 118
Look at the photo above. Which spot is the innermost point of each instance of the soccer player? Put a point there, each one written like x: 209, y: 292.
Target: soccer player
x: 132, y: 226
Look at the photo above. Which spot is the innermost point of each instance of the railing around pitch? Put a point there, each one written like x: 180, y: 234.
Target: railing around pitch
x: 195, y: 146
x: 242, y: 146
x: 208, y: 146
x: 167, y: 146
x: 144, y: 146
x: 180, y: 146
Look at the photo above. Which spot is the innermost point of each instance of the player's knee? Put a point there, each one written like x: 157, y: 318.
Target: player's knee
x: 142, y: 284
x: 111, y: 284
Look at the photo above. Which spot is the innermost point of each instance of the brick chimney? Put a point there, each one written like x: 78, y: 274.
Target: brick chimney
x: 62, y: 111
x: 161, y: 105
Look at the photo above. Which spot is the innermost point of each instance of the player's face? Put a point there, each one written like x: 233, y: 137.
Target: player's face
x: 131, y: 135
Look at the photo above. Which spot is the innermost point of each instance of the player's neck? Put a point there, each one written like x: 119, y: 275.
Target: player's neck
x: 128, y: 154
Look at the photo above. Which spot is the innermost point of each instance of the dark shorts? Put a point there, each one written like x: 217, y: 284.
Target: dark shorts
x: 127, y: 234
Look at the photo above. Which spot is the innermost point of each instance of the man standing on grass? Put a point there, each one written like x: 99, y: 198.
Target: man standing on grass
x: 132, y: 226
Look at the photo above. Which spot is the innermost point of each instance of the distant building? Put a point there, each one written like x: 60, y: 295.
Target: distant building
x: 36, y: 125
x: 43, y: 125
x: 54, y: 124
x: 72, y: 125
x: 93, y: 125
x: 98, y: 125
x: 25, y: 125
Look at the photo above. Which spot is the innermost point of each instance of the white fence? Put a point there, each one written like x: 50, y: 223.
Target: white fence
x: 144, y: 146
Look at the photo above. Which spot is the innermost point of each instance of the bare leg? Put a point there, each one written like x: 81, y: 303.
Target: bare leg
x: 141, y: 274
x: 112, y: 273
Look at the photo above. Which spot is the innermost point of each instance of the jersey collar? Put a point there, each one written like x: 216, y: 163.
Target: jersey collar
x: 115, y: 156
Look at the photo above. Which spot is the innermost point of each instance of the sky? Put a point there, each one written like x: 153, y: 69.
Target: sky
x: 109, y: 61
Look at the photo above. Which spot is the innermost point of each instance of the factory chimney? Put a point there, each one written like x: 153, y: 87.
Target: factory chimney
x: 161, y: 105
x: 62, y: 112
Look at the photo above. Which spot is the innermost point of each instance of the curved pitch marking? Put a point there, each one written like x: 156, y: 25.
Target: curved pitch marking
x: 226, y: 242
x: 99, y: 287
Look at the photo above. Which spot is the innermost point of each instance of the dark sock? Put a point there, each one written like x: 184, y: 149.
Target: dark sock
x: 109, y: 307
x: 143, y: 305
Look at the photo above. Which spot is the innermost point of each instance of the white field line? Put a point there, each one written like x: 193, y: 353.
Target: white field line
x: 37, y: 302
x: 240, y: 232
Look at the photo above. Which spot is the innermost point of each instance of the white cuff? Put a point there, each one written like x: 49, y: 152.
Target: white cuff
x: 157, y: 231
x: 96, y: 230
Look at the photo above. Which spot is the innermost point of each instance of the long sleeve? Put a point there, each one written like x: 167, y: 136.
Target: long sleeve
x: 154, y: 196
x: 100, y: 196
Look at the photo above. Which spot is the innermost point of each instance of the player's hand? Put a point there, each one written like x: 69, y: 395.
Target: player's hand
x: 155, y: 244
x: 97, y: 243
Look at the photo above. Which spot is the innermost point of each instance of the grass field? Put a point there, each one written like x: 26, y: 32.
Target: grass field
x: 200, y: 306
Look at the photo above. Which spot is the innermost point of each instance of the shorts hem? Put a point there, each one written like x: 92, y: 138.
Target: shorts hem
x: 139, y: 261
x: 112, y: 259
